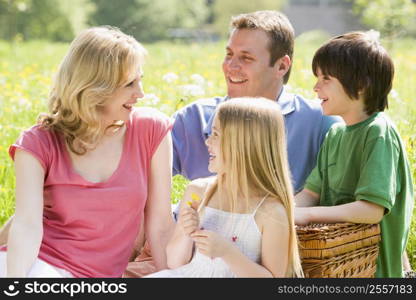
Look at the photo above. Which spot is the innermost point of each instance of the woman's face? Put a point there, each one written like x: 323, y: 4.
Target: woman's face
x: 214, y: 148
x: 121, y: 102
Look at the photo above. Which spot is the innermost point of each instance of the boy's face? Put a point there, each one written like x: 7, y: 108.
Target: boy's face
x: 246, y: 66
x: 335, y: 100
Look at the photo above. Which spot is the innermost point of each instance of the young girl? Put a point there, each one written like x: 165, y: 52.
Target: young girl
x: 244, y: 225
x: 92, y: 169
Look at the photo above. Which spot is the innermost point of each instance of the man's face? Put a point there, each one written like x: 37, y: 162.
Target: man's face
x: 247, y: 67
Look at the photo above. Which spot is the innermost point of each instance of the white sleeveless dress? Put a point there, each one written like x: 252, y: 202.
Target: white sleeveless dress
x: 240, y: 229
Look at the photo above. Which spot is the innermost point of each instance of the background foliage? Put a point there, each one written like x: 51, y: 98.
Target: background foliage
x: 153, y: 20
x: 392, y: 18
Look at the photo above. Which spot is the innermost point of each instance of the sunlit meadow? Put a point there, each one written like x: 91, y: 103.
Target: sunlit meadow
x: 175, y: 74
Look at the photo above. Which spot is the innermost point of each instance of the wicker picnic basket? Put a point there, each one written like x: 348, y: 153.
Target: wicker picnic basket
x: 339, y: 250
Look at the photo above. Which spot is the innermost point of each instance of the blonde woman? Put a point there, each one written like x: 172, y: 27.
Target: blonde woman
x: 244, y: 225
x: 92, y: 168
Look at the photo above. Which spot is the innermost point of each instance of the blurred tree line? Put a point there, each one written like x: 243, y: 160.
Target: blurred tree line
x: 150, y: 20
x: 392, y: 18
x: 147, y: 20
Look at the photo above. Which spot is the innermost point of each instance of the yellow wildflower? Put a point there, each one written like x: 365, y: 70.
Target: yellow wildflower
x: 195, y: 197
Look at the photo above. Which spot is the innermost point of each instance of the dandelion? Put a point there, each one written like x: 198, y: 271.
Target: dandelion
x: 306, y: 72
x: 195, y: 197
x: 373, y: 35
x: 152, y: 99
x: 192, y: 90
x: 170, y: 77
x: 198, y: 79
x: 395, y: 96
x: 24, y: 103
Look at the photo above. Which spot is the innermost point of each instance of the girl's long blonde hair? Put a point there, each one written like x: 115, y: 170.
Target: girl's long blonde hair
x: 99, y: 61
x: 254, y: 155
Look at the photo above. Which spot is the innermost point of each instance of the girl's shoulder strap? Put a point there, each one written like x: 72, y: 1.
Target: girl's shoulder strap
x: 260, y: 203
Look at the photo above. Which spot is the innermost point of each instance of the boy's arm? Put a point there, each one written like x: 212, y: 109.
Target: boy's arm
x: 360, y: 211
x: 306, y: 198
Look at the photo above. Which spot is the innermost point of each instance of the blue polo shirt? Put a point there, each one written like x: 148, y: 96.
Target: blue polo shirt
x: 306, y: 128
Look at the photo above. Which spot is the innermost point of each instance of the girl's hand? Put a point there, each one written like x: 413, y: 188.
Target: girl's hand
x: 188, y: 219
x: 211, y: 244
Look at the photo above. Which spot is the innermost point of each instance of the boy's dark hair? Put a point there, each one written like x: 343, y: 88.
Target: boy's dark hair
x: 361, y: 65
x: 277, y: 26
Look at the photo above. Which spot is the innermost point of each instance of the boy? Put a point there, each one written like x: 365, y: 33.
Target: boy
x: 362, y: 173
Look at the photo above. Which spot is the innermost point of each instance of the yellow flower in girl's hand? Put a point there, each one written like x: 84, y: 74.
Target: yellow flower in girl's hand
x: 195, y: 198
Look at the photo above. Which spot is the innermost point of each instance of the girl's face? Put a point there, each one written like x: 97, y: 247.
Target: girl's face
x: 214, y: 148
x: 121, y: 102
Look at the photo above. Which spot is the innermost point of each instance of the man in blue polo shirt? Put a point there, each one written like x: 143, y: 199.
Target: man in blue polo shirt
x: 257, y: 63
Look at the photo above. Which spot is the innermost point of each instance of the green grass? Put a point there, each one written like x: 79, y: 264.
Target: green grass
x: 26, y: 70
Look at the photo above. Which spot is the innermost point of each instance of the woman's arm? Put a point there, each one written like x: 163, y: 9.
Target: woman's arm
x: 4, y: 231
x: 26, y: 230
x: 158, y: 216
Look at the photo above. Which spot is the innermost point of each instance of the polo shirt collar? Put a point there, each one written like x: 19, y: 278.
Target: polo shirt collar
x: 286, y: 101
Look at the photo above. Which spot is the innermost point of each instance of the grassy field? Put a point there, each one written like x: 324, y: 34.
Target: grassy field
x: 175, y: 74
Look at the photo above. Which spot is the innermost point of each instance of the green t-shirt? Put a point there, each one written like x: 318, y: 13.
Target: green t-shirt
x: 367, y: 161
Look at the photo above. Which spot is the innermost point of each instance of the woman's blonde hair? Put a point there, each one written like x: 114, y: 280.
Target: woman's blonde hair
x: 254, y: 155
x: 99, y: 61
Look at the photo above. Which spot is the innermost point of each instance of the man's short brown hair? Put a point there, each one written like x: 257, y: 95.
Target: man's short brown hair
x: 361, y: 65
x: 277, y: 27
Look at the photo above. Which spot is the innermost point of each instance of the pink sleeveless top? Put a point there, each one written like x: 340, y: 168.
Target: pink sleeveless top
x: 90, y: 228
